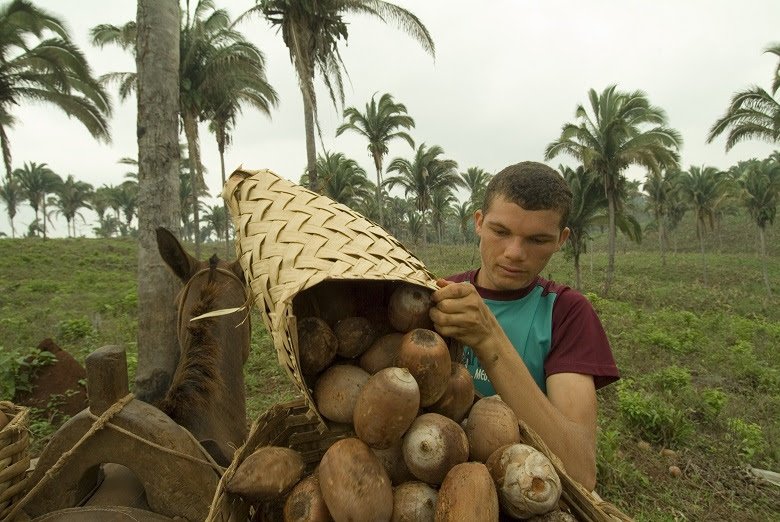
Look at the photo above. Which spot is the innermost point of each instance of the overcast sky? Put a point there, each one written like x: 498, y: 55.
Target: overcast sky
x: 507, y: 75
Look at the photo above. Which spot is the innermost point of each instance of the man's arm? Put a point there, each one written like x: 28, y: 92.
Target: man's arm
x: 565, y: 419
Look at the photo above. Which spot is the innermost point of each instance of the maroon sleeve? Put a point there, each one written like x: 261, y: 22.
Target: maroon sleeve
x: 579, y: 343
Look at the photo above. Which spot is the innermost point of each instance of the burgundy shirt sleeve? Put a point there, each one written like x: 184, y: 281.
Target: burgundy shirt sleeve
x: 579, y: 343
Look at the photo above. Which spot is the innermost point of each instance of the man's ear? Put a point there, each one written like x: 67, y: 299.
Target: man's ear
x: 563, y: 238
x: 478, y: 218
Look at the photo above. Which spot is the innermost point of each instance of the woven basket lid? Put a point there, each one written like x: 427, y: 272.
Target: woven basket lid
x: 290, y: 239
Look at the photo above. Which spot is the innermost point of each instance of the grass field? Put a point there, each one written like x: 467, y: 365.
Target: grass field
x: 700, y: 363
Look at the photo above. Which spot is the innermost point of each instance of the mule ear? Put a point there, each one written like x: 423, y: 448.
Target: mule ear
x: 174, y: 255
x: 235, y: 266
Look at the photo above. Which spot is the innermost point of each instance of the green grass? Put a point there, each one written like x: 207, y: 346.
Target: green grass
x: 700, y: 361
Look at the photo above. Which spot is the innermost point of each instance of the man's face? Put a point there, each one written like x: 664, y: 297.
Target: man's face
x: 515, y: 244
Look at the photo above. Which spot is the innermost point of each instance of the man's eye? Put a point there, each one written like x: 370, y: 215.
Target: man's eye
x: 501, y: 232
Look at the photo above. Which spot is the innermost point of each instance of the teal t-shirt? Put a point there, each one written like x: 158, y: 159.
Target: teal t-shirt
x: 527, y: 322
x: 553, y: 328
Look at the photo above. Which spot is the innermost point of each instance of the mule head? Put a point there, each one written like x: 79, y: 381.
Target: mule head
x: 182, y: 263
x: 207, y: 391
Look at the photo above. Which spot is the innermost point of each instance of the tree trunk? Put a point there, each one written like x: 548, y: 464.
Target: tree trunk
x: 43, y: 212
x: 196, y: 176
x: 661, y: 239
x: 763, y: 262
x: 703, y: 258
x: 221, y: 145
x: 610, y: 243
x: 311, y: 146
x: 577, y: 283
x: 157, y: 63
x: 378, y: 165
x: 590, y: 256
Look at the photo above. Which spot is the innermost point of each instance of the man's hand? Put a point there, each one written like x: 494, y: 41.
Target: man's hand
x: 461, y: 313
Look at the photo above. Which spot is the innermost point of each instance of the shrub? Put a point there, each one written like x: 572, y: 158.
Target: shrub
x: 672, y: 380
x: 72, y: 330
x: 748, y: 436
x: 652, y: 418
x: 710, y: 403
x: 17, y: 366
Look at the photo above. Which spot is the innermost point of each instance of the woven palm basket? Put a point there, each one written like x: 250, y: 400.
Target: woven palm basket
x: 290, y: 240
x: 300, y: 253
x: 14, y: 456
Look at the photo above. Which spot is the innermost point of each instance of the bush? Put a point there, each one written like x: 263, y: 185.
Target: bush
x: 73, y: 330
x: 17, y: 366
x: 652, y: 418
x: 749, y: 438
x: 710, y: 403
x: 672, y: 380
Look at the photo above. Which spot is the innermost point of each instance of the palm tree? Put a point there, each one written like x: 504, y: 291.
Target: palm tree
x: 218, y: 68
x: 380, y: 124
x: 344, y: 181
x: 40, y: 63
x: 11, y: 195
x: 107, y: 227
x: 249, y: 87
x: 760, y: 193
x: 158, y: 205
x: 589, y: 210
x: 753, y: 113
x: 422, y: 176
x: 100, y: 202
x: 311, y: 30
x: 442, y: 200
x: 703, y: 187
x: 215, y: 217
x: 396, y: 210
x: 475, y: 180
x: 37, y: 180
x: 415, y: 226
x: 71, y: 197
x: 124, y: 200
x: 658, y: 187
x: 463, y: 215
x: 622, y: 129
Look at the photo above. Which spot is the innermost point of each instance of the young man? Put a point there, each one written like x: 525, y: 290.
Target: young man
x: 537, y: 344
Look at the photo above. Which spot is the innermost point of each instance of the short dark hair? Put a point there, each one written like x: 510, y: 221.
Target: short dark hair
x: 533, y: 186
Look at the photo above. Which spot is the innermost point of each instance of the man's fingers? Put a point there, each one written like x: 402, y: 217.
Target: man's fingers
x: 451, y: 291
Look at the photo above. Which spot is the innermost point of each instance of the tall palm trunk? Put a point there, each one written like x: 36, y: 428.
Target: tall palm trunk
x: 311, y: 146
x: 610, y: 242
x: 763, y: 262
x: 157, y: 63
x: 221, y: 139
x: 378, y: 165
x: 700, y: 229
x: 43, y: 211
x: 662, y: 238
x: 196, y: 175
x: 575, y: 243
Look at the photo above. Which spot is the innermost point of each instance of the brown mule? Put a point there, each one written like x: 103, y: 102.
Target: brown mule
x: 207, y: 390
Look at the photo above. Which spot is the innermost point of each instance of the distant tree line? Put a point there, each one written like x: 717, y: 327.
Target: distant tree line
x: 221, y: 72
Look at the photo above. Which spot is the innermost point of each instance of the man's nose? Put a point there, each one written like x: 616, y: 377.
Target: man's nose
x: 515, y: 249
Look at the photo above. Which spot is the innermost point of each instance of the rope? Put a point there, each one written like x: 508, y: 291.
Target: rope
x: 98, y: 424
x: 104, y: 421
x: 208, y: 462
